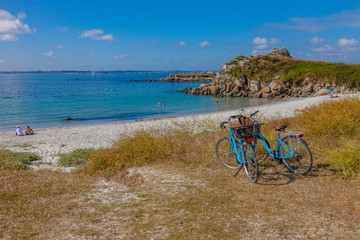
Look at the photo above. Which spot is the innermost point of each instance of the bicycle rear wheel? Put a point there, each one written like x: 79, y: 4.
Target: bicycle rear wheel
x: 226, y: 153
x: 301, y: 160
x: 251, y: 164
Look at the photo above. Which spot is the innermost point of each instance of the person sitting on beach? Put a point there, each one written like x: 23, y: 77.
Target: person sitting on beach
x: 19, y: 131
x: 29, y: 131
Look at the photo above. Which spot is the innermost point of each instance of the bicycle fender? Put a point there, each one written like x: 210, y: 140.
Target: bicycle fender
x: 300, y: 139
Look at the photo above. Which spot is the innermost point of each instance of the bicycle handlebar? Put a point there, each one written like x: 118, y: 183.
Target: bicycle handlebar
x: 234, y: 116
x: 222, y: 124
x: 252, y: 116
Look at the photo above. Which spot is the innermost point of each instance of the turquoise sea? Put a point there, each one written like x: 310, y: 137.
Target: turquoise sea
x: 43, y: 100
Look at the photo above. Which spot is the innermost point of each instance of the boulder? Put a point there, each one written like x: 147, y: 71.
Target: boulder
x: 215, y: 90
x: 307, y: 89
x: 265, y: 90
x: 194, y: 90
x: 255, y: 86
x: 236, y: 90
x: 228, y: 68
x: 323, y: 91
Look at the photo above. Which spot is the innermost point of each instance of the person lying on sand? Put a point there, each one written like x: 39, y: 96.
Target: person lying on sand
x: 29, y: 131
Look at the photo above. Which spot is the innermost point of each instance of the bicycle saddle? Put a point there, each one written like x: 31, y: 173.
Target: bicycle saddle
x: 279, y: 127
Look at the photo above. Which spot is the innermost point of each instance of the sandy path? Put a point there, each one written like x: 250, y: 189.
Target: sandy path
x: 50, y: 142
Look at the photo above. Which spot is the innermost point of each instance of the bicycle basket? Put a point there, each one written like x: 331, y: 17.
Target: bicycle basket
x: 249, y: 131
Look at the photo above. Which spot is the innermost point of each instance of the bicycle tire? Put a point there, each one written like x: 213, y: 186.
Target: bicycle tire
x: 302, y: 161
x: 260, y: 151
x: 251, y: 164
x: 226, y: 155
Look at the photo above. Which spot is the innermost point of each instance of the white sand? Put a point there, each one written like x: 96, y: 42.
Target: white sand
x: 50, y: 142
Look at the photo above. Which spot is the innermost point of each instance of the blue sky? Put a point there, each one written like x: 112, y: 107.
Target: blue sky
x: 171, y: 35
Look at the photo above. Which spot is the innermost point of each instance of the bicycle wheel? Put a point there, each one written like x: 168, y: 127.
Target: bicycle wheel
x: 301, y: 160
x: 251, y: 164
x: 260, y: 150
x: 226, y: 153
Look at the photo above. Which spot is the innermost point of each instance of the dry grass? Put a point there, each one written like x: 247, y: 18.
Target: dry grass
x: 170, y: 185
x: 38, y: 205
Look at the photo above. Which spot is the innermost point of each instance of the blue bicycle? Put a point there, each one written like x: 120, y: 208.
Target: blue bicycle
x: 291, y: 150
x: 236, y: 151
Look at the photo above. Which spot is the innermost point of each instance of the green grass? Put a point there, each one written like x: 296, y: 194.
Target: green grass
x: 266, y: 68
x: 76, y: 158
x: 16, y: 160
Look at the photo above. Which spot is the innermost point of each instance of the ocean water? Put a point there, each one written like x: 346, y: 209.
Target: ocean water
x: 43, y: 100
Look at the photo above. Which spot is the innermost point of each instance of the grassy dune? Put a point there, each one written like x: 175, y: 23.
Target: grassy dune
x: 168, y: 184
x: 266, y: 68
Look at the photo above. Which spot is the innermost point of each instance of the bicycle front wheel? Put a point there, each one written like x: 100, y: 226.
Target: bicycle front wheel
x: 251, y: 164
x: 300, y: 158
x: 225, y: 151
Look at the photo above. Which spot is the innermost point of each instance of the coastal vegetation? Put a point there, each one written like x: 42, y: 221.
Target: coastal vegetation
x: 75, y: 158
x: 16, y: 160
x: 331, y: 125
x: 278, y: 75
x: 173, y: 175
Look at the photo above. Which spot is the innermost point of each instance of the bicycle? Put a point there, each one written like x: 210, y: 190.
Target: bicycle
x: 235, y: 151
x: 291, y: 150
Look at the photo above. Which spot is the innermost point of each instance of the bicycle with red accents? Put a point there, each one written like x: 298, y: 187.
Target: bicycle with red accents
x: 291, y: 150
x: 236, y: 151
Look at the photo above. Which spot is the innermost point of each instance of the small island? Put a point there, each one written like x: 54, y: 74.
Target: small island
x: 277, y: 75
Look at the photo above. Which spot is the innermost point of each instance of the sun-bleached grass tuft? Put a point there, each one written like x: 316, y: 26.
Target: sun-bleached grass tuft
x: 147, y: 147
x: 76, y: 158
x: 16, y: 160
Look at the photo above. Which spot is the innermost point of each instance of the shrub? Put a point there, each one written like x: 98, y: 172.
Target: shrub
x: 346, y: 159
x: 76, y: 158
x: 16, y: 160
x: 270, y: 59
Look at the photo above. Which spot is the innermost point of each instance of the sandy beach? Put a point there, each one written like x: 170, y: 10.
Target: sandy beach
x: 49, y: 142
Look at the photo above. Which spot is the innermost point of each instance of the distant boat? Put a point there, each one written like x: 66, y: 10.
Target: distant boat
x: 93, y: 74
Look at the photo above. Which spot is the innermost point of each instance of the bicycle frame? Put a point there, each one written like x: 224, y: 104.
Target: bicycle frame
x: 275, y: 154
x: 231, y: 146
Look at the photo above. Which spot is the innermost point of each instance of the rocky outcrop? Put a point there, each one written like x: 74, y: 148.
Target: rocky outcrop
x: 192, y: 77
x: 264, y: 77
x: 272, y: 90
x: 281, y: 51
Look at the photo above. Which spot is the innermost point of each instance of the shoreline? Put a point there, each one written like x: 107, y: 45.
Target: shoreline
x: 49, y: 142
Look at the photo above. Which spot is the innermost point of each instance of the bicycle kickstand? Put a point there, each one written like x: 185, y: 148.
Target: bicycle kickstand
x: 238, y: 170
x: 277, y: 164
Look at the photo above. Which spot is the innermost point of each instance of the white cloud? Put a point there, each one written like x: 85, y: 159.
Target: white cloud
x: 60, y: 46
x: 122, y: 56
x: 343, y: 42
x: 96, y: 34
x: 345, y: 18
x: 8, y: 37
x: 107, y: 37
x: 64, y: 29
x: 204, y: 44
x: 317, y: 40
x: 2, y: 61
x: 11, y: 25
x: 149, y: 44
x: 21, y: 15
x: 180, y: 44
x: 48, y: 54
x: 324, y: 49
x: 263, y: 43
